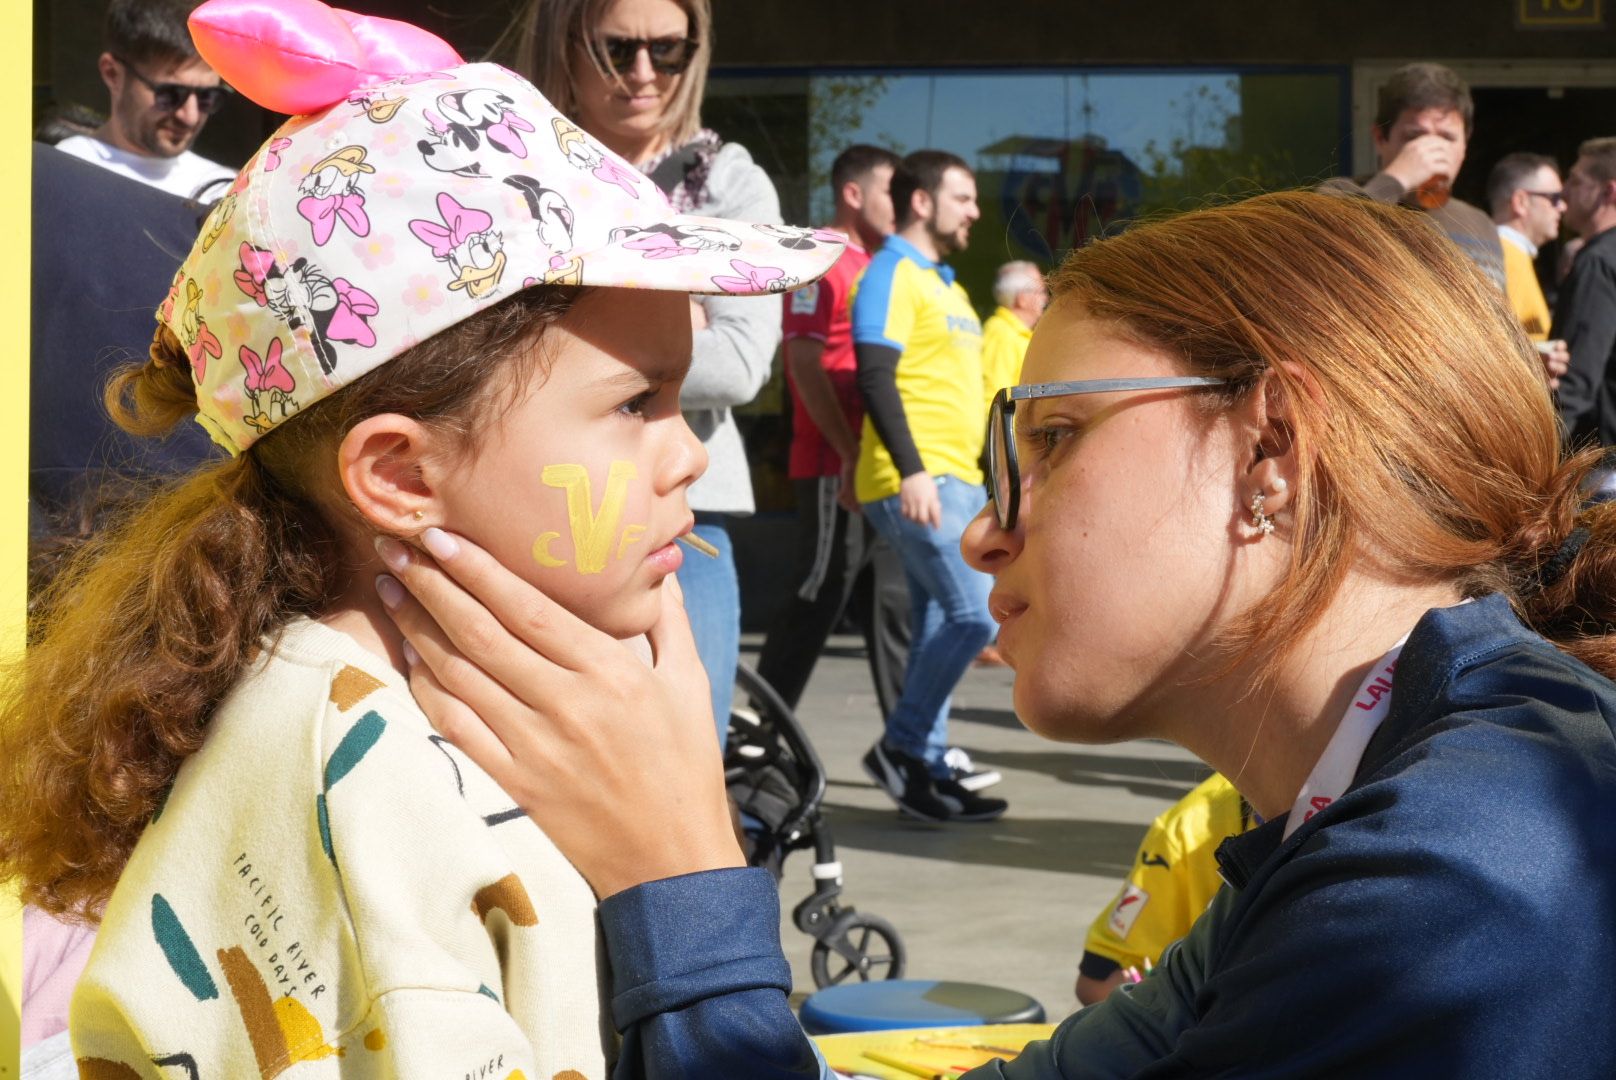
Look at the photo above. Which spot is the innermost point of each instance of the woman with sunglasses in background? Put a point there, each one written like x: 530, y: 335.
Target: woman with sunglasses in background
x: 1284, y: 486
x: 632, y: 73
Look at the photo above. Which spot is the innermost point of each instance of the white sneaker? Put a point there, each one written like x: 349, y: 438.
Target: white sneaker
x: 965, y: 772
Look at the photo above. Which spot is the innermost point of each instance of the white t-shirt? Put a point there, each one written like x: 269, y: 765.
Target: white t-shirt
x: 182, y: 175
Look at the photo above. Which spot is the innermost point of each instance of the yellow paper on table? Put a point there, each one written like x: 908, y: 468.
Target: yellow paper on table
x: 911, y: 1052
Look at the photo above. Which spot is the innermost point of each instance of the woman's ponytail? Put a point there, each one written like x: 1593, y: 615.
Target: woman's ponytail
x: 1564, y: 580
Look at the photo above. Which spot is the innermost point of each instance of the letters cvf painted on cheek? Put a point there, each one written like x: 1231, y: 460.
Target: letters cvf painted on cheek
x: 593, y: 529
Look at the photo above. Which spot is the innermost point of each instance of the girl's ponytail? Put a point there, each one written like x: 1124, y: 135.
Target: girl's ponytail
x: 153, y: 398
x: 151, y: 622
x: 134, y: 642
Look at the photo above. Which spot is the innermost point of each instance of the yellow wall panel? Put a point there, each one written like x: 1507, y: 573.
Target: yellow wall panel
x: 16, y: 85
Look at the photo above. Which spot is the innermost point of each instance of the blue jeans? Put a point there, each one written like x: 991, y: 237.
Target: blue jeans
x: 948, y: 614
x: 713, y: 603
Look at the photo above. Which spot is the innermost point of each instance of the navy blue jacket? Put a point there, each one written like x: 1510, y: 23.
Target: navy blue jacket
x: 1452, y: 914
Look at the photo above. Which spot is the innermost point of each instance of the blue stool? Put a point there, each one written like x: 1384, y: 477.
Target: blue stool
x: 914, y: 1003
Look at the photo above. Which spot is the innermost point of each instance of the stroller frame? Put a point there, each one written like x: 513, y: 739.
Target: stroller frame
x: 778, y: 783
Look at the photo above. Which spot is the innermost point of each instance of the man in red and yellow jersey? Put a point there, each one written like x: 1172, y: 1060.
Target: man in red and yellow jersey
x: 825, y: 420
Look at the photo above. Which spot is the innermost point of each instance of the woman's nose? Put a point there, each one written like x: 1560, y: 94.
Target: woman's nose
x: 643, y: 72
x: 987, y: 547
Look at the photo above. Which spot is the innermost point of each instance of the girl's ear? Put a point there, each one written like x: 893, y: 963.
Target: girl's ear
x: 391, y: 471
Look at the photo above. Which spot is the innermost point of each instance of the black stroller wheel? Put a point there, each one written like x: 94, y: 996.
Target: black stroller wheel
x: 863, y: 946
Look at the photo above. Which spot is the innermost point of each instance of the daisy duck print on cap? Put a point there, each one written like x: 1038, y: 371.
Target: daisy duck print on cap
x: 408, y: 192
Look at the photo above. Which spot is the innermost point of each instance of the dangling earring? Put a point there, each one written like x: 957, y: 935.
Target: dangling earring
x: 1259, y: 520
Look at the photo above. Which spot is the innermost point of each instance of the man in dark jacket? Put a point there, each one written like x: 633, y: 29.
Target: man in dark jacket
x: 1585, y: 314
x: 105, y: 249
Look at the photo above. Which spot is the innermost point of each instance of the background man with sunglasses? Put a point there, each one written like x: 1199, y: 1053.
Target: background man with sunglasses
x: 1523, y: 192
x: 161, y: 94
x: 1585, y: 310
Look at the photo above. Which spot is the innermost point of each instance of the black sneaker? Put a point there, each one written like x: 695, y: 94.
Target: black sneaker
x: 967, y: 773
x: 920, y: 795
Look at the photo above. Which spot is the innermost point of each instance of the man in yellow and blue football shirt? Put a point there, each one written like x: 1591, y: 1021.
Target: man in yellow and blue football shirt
x: 1019, y: 290
x: 918, y: 346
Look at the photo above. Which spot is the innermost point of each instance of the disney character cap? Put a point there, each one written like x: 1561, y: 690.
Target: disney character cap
x: 411, y: 192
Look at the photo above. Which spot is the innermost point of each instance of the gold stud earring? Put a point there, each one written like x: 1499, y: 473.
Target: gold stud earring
x: 1259, y: 520
x: 418, y: 516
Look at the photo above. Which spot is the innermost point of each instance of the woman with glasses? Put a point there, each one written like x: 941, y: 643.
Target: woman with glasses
x: 632, y: 73
x: 1283, y: 484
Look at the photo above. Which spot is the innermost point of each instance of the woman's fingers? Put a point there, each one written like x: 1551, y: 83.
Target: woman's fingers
x: 455, y: 689
x: 459, y: 723
x: 673, y: 650
x: 489, y: 612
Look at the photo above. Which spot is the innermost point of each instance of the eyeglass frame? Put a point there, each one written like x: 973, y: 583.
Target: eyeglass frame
x: 1556, y: 198
x: 1002, y: 418
x: 600, y: 46
x: 220, y: 94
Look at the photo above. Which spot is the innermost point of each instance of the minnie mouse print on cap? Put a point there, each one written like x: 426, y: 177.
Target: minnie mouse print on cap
x: 410, y: 191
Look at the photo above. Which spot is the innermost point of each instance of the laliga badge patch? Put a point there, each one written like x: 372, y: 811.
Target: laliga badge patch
x: 805, y: 299
x: 1126, y: 912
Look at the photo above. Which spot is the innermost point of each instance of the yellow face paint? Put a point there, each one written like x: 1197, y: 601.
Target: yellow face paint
x: 541, y: 550
x: 592, y: 530
x: 631, y: 533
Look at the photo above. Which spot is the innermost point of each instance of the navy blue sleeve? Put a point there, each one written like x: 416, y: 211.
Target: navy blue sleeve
x: 699, y: 984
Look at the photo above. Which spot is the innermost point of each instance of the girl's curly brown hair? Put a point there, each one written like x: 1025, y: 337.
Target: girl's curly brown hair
x: 148, y: 625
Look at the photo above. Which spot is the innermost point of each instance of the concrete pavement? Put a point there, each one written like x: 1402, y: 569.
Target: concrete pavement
x: 1007, y: 902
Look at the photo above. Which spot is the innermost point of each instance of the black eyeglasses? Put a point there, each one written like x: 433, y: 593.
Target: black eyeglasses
x: 1004, y: 469
x: 171, y: 97
x: 1555, y: 198
x: 669, y: 55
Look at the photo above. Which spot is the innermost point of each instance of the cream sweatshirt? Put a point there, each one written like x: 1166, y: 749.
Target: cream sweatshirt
x: 332, y: 890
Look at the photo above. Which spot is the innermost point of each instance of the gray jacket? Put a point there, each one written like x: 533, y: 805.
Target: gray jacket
x: 733, y: 355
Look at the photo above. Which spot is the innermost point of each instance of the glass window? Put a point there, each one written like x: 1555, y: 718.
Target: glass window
x: 1059, y: 157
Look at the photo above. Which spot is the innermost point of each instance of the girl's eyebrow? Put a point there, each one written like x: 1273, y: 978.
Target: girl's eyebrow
x: 653, y: 374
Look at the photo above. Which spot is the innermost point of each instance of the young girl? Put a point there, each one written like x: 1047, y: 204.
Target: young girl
x: 415, y: 310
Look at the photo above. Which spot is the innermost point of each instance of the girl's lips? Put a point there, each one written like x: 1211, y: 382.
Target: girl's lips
x: 666, y: 559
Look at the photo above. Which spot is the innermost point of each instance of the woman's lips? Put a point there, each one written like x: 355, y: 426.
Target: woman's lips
x: 641, y: 102
x: 1003, y: 608
x: 1007, y: 612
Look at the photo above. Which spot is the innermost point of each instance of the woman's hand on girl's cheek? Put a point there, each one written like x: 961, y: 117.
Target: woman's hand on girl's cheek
x: 617, y: 761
